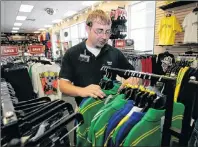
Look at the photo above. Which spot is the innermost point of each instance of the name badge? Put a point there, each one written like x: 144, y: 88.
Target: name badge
x: 84, y: 58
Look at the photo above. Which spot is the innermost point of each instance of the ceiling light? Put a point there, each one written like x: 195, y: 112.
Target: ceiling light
x: 21, y: 17
x: 57, y: 21
x: 36, y: 32
x: 14, y: 31
x: 89, y: 3
x: 70, y: 13
x: 17, y: 24
x: 15, y: 28
x: 41, y: 29
x: 47, y: 26
x: 26, y: 8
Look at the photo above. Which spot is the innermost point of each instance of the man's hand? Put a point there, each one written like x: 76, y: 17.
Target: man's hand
x: 131, y: 81
x: 92, y: 91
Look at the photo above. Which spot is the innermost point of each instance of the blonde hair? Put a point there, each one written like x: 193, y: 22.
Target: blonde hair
x: 100, y: 16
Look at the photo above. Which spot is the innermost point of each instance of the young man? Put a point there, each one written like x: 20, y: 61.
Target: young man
x: 81, y: 64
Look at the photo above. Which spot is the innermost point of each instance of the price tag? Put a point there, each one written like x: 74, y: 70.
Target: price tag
x: 9, y: 50
x: 36, y: 49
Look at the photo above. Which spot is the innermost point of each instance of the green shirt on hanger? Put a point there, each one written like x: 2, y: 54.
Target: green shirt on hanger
x: 89, y: 109
x: 97, y: 130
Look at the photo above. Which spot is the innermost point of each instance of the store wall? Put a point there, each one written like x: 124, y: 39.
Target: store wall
x: 105, y: 6
x: 180, y: 13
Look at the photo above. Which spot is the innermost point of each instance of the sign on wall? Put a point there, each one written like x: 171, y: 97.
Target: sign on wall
x: 36, y: 49
x: 9, y: 50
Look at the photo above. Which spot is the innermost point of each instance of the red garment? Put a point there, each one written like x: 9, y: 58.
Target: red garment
x: 148, y: 69
x: 41, y: 38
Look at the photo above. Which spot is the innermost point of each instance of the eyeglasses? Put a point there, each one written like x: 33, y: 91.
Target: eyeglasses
x: 101, y: 32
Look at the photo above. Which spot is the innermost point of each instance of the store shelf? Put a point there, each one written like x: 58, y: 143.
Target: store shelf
x: 176, y: 4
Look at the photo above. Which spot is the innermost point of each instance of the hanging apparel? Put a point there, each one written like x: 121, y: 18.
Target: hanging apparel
x: 21, y: 82
x: 168, y: 27
x: 88, y: 109
x: 125, y: 129
x: 97, y: 130
x: 151, y: 134
x: 190, y: 25
x: 116, y: 118
x: 164, y: 62
x: 124, y: 120
x: 179, y: 82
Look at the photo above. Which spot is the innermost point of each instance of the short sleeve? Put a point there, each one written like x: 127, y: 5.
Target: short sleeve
x: 177, y: 26
x: 66, y: 71
x: 123, y: 63
x: 184, y: 24
x: 194, y: 18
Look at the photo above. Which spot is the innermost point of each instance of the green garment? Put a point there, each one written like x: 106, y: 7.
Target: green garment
x: 97, y: 129
x: 147, y: 132
x: 89, y: 109
x: 152, y: 132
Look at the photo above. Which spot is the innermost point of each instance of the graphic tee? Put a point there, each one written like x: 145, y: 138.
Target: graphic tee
x: 190, y: 25
x: 164, y: 61
x: 168, y: 27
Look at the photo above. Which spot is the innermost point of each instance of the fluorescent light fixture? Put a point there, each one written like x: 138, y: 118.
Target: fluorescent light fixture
x: 41, y: 29
x: 36, y: 32
x: 70, y: 13
x: 89, y: 3
x: 57, y: 20
x: 47, y: 26
x: 21, y: 17
x: 14, y: 28
x: 14, y: 31
x: 17, y: 24
x: 26, y: 8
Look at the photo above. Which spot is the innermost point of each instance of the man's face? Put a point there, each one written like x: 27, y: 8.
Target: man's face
x: 99, y: 34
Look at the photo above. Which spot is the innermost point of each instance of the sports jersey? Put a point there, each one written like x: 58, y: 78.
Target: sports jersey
x: 125, y: 129
x: 125, y: 119
x: 180, y: 76
x: 168, y: 27
x: 147, y: 132
x: 88, y: 109
x: 97, y: 131
x: 151, y: 122
x: 117, y: 117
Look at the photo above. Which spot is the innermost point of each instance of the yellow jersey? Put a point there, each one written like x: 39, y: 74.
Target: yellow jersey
x: 167, y: 29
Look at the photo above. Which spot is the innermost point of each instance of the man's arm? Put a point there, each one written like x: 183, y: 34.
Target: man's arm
x: 90, y: 91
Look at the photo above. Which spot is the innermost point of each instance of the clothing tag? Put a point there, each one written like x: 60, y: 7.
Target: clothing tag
x: 192, y: 121
x: 162, y: 123
x: 84, y: 58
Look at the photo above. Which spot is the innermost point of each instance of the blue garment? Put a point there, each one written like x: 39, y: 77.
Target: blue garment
x: 82, y: 102
x: 117, y: 117
x: 193, y: 142
x: 127, y: 126
x: 47, y: 36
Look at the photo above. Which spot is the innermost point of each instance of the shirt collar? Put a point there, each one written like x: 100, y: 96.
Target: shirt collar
x: 153, y: 115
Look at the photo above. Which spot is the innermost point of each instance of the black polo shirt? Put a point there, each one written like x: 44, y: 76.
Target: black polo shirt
x: 83, y: 73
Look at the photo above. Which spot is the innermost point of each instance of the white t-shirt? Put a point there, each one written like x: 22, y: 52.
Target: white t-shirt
x: 94, y: 51
x: 48, y: 83
x: 190, y: 25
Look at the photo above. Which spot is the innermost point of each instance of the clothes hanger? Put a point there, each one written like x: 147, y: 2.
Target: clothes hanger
x: 109, y: 83
x: 196, y: 8
x: 55, y: 128
x: 25, y: 126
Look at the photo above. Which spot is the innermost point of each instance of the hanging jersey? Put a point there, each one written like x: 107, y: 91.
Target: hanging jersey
x: 168, y: 27
x: 190, y: 25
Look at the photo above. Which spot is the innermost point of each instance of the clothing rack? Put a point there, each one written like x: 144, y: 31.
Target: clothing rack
x: 169, y: 89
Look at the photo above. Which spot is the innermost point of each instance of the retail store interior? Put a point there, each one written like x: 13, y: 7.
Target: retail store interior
x: 99, y: 73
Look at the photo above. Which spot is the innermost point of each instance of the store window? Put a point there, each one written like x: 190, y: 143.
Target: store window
x: 141, y: 24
